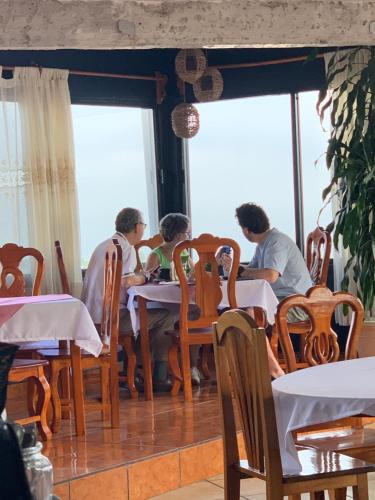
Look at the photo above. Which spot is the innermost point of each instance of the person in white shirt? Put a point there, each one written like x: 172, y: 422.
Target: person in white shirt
x: 129, y: 231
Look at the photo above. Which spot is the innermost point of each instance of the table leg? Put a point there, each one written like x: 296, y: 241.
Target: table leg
x: 145, y: 347
x: 77, y: 379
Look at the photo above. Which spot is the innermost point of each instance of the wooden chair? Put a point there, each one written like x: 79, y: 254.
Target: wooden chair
x: 107, y: 361
x: 241, y: 366
x: 12, y: 284
x: 318, y: 254
x: 321, y: 344
x: 151, y: 243
x: 11, y: 256
x: 208, y: 296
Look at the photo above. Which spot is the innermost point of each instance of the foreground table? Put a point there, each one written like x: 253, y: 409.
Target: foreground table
x: 249, y: 293
x: 52, y: 317
x: 321, y: 394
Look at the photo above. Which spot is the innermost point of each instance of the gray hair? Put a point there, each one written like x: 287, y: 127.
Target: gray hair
x: 173, y: 224
x: 127, y: 219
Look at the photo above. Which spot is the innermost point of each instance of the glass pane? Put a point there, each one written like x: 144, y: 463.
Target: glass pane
x: 315, y: 176
x: 113, y: 170
x: 242, y: 153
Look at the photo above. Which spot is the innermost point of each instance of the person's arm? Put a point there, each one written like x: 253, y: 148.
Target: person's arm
x: 152, y: 263
x: 133, y: 279
x: 269, y: 275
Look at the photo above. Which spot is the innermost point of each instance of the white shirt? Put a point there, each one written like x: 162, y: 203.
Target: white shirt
x: 92, y: 290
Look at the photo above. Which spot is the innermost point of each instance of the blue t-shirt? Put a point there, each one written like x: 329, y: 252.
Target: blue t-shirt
x: 278, y: 252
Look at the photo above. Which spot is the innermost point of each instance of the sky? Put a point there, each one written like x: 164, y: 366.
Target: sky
x: 241, y: 153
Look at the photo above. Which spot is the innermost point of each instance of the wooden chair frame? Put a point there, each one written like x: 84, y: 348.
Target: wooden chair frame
x: 320, y: 341
x: 318, y: 264
x: 107, y: 361
x: 242, y: 368
x: 11, y: 256
x: 151, y: 243
x: 208, y: 296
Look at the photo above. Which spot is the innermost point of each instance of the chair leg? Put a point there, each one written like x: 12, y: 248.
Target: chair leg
x: 56, y: 402
x: 32, y: 394
x: 339, y: 494
x: 315, y: 495
x: 132, y: 363
x: 65, y: 390
x: 174, y: 368
x: 360, y: 492
x: 186, y: 375
x: 44, y: 396
x: 114, y: 392
x: 104, y: 382
x: 274, y: 342
x: 206, y: 349
x: 232, y: 480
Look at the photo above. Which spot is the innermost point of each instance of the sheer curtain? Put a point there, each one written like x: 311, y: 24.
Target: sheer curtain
x: 38, y: 196
x: 341, y: 255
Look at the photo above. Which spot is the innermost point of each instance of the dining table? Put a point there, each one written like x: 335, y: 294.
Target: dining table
x: 320, y: 394
x: 52, y: 317
x: 249, y: 293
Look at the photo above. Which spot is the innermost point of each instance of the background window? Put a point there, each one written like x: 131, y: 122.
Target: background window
x: 115, y: 168
x: 242, y: 153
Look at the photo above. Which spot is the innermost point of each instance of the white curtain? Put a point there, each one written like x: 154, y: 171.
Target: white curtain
x: 38, y: 195
x: 341, y: 256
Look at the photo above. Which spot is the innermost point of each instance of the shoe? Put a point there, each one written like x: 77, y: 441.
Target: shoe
x: 162, y: 385
x: 195, y: 376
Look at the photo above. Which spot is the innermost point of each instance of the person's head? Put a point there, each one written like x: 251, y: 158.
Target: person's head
x: 129, y: 221
x: 253, y: 221
x: 174, y: 228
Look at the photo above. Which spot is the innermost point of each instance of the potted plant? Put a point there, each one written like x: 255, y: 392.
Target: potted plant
x: 351, y: 158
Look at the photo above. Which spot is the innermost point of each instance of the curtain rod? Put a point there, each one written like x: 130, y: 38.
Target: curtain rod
x: 159, y: 78
x: 263, y: 63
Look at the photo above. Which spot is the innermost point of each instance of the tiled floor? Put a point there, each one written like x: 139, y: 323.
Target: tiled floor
x: 252, y: 489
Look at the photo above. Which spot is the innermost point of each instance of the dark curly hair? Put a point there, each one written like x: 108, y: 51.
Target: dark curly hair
x: 253, y: 218
x: 173, y: 224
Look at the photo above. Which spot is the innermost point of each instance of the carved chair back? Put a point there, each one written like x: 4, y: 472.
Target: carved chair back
x: 12, y: 279
x: 321, y: 345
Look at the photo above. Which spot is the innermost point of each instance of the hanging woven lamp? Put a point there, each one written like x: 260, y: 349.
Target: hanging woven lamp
x: 190, y: 64
x: 209, y: 86
x: 185, y: 120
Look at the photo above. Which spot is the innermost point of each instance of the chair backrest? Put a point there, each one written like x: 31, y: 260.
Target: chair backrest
x: 242, y: 367
x: 321, y: 344
x: 208, y: 293
x: 109, y: 326
x: 318, y: 253
x: 152, y: 243
x: 62, y: 271
x: 12, y: 280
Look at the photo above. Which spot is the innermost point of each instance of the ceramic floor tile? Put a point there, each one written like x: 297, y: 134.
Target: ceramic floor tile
x: 202, y: 490
x: 200, y: 462
x: 111, y: 484
x: 62, y: 491
x: 248, y: 486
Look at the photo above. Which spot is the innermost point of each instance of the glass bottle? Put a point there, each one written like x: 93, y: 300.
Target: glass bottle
x: 39, y: 472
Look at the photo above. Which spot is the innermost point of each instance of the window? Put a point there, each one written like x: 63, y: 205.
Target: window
x: 115, y: 168
x: 315, y: 176
x: 242, y: 153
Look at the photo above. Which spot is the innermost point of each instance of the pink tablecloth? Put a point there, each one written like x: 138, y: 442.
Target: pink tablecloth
x: 48, y: 317
x: 249, y: 293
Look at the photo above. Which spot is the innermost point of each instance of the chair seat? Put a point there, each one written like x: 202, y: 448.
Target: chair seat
x: 28, y: 363
x: 319, y: 464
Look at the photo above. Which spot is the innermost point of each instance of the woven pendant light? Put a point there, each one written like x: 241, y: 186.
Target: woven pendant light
x: 209, y: 86
x: 190, y: 64
x: 185, y: 120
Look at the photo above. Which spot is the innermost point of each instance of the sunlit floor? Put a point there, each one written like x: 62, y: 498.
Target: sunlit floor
x: 254, y: 489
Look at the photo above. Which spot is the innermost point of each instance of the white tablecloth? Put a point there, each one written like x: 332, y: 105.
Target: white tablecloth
x: 321, y: 394
x: 249, y: 293
x: 50, y: 318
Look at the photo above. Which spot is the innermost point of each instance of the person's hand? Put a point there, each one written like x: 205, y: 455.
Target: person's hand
x: 226, y: 262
